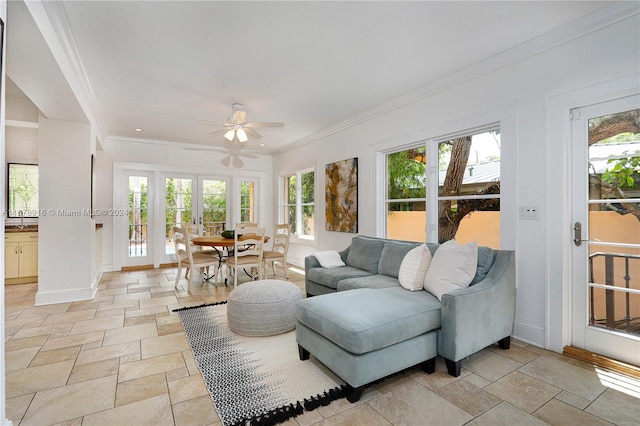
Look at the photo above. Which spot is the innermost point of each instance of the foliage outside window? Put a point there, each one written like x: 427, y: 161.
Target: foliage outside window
x: 247, y: 202
x: 23, y: 190
x: 614, y: 162
x: 138, y: 215
x: 298, y: 208
x: 178, y: 207
x: 214, y: 205
x: 468, y: 182
x: 406, y: 194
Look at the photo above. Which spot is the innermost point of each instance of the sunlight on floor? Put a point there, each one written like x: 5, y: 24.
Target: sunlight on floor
x: 295, y: 269
x: 619, y: 382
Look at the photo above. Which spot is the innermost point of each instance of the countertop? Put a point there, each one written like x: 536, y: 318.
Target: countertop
x: 14, y: 228
x: 33, y: 228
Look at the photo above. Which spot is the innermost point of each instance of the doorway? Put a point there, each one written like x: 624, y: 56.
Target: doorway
x: 606, y: 229
x: 192, y: 199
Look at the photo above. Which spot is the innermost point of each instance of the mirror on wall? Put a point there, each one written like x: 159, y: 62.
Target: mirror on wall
x: 22, y: 190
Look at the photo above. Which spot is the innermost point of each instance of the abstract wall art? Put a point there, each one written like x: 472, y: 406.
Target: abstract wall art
x: 341, y: 196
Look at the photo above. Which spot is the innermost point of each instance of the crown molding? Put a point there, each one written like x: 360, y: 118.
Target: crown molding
x: 22, y: 124
x: 113, y: 139
x: 593, y: 22
x: 122, y: 140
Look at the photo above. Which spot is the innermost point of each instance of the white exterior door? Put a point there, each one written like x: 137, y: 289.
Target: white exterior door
x: 135, y: 230
x: 191, y: 199
x: 606, y: 218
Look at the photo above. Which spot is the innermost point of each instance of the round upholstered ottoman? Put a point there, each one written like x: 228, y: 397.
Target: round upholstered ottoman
x: 263, y: 308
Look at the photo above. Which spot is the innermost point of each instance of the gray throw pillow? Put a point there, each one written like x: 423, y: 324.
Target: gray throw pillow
x: 392, y: 255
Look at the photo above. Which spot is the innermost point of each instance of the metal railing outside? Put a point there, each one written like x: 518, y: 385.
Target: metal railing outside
x: 609, y: 283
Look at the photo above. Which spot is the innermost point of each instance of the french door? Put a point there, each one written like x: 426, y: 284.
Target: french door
x: 606, y: 222
x: 192, y: 199
x: 136, y: 227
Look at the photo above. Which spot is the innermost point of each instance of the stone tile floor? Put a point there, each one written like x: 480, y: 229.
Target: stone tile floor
x: 123, y: 358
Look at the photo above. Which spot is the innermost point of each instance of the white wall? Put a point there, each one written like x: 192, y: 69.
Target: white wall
x: 66, y: 239
x: 172, y: 157
x: 512, y: 88
x: 3, y: 416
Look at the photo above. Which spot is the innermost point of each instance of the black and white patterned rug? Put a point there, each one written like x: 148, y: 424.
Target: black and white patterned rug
x: 255, y: 380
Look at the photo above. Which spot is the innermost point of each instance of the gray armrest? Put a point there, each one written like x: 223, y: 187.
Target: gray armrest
x: 478, y: 316
x: 311, y: 262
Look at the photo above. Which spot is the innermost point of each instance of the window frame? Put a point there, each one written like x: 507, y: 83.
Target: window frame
x: 299, y: 205
x: 432, y: 193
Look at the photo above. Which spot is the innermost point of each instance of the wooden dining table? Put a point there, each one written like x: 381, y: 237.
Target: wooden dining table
x: 217, y: 241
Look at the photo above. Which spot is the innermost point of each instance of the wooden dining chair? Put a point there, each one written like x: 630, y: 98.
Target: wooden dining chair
x: 189, y: 258
x: 278, y: 252
x: 198, y: 231
x: 247, y: 253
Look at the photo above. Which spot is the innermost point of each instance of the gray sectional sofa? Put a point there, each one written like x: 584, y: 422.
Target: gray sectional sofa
x: 365, y: 326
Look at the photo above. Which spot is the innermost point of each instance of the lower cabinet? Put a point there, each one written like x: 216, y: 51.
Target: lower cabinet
x: 20, y: 257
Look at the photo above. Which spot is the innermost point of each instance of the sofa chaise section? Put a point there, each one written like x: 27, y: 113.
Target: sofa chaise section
x: 363, y: 301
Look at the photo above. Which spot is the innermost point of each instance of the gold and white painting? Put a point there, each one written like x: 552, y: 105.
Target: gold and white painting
x: 341, y: 196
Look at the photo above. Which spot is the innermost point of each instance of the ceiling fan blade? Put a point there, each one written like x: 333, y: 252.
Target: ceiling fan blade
x: 205, y: 121
x: 237, y: 162
x: 205, y: 149
x: 252, y: 132
x: 252, y: 156
x: 264, y: 124
x: 226, y: 161
x: 218, y: 132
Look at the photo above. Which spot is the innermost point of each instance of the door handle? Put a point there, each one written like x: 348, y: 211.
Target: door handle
x: 577, y: 235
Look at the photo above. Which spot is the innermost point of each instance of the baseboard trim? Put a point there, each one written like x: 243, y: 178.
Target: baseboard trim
x: 136, y: 268
x: 602, y: 361
x: 528, y: 333
x: 147, y: 267
x: 65, y: 296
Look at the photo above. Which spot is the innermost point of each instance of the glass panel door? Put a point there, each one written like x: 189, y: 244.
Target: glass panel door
x: 606, y: 204
x: 178, y: 191
x: 213, y: 205
x: 248, y: 201
x: 138, y: 228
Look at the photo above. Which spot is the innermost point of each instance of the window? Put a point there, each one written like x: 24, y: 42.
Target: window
x: 247, y: 201
x: 138, y: 215
x: 178, y: 207
x: 23, y: 190
x: 469, y: 189
x: 298, y: 203
x: 466, y: 204
x: 406, y: 195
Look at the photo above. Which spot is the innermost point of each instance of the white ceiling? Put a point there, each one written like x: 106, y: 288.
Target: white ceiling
x: 312, y: 65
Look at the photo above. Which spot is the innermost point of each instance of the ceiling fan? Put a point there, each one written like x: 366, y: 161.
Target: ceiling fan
x: 236, y: 127
x: 234, y: 153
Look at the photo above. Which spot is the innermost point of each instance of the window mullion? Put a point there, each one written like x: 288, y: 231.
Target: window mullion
x: 432, y: 191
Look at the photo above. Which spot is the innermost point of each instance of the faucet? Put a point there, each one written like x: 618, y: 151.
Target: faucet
x: 22, y: 225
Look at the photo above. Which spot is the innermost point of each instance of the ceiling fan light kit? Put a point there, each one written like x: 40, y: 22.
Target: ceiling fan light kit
x: 236, y: 127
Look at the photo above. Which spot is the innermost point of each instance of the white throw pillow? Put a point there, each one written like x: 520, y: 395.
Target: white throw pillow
x: 452, y: 268
x: 329, y: 258
x: 414, y: 268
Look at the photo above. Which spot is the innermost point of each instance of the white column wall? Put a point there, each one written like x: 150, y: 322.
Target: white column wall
x: 3, y: 409
x: 66, y: 241
x: 520, y: 88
